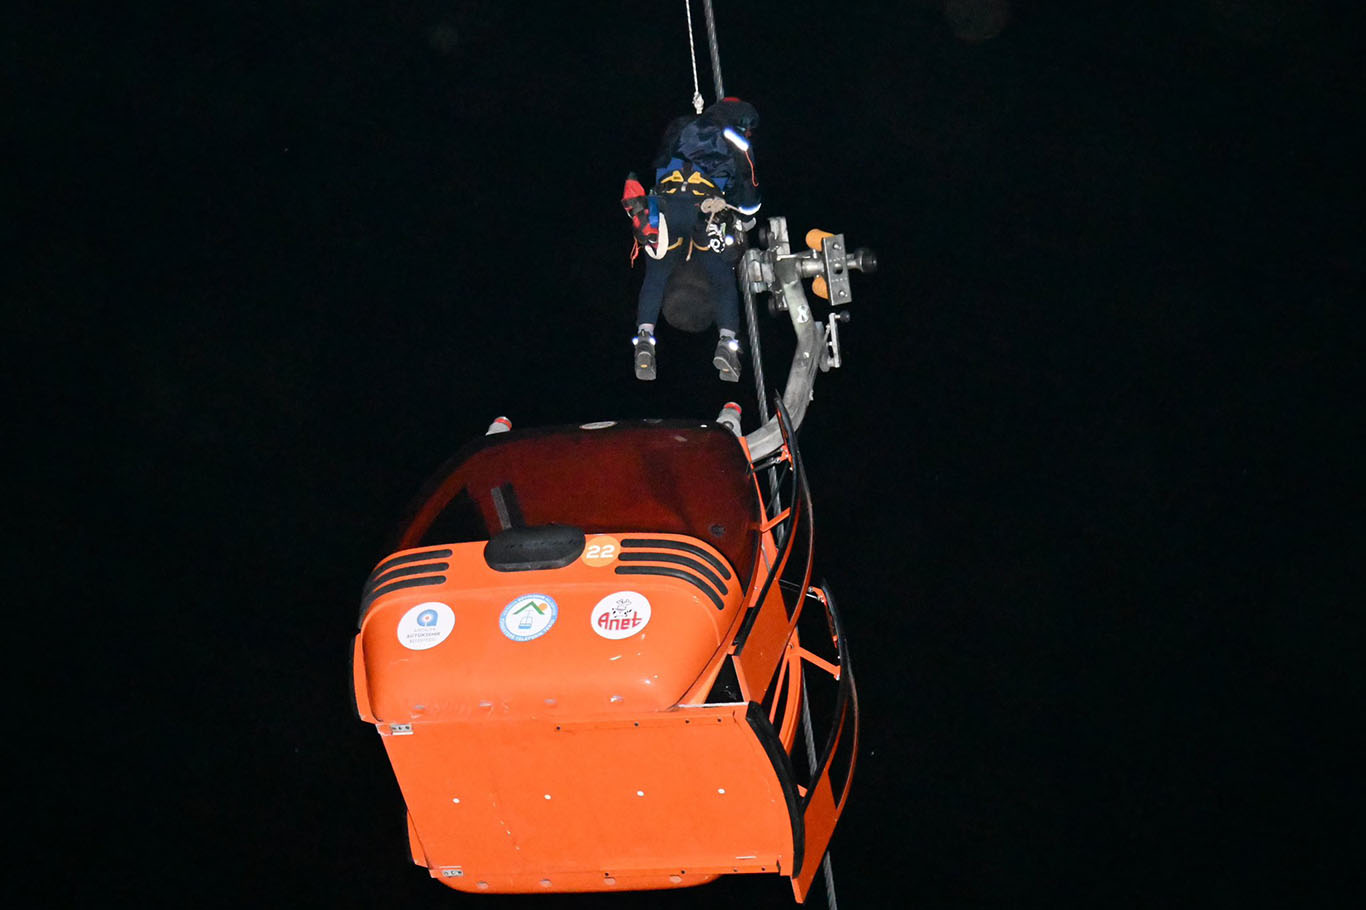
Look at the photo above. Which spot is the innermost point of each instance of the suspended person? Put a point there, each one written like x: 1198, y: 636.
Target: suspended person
x: 705, y: 184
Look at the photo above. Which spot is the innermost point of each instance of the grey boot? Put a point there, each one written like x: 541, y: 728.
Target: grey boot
x: 727, y: 359
x: 644, y: 344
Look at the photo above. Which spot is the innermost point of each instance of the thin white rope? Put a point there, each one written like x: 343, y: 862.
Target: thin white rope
x: 692, y: 49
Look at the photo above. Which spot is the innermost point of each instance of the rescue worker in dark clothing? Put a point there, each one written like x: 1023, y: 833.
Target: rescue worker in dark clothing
x: 705, y: 185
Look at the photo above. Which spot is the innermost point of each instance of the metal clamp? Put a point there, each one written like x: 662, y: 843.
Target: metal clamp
x: 830, y: 357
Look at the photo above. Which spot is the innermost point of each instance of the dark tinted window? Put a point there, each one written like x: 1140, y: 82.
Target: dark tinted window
x: 677, y: 478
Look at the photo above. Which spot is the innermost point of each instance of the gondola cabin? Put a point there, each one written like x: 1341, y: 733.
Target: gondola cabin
x: 588, y: 660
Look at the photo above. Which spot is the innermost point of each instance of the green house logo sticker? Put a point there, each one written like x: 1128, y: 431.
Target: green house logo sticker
x: 528, y: 617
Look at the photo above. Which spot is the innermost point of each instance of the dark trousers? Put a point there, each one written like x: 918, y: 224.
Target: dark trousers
x: 725, y: 294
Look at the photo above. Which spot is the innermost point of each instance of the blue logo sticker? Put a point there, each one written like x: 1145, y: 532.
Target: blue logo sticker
x: 426, y: 625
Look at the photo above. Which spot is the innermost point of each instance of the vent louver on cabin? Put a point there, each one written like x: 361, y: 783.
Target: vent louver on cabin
x: 698, y: 567
x: 410, y: 570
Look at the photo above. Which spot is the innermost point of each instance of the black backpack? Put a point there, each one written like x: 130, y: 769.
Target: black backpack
x: 696, y: 155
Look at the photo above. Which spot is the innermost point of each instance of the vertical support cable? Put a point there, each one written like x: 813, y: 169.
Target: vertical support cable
x: 756, y: 358
x: 715, y: 51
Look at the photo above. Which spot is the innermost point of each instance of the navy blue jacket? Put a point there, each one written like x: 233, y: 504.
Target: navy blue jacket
x: 702, y: 141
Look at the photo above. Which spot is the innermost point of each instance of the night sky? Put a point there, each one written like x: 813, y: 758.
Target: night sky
x: 1082, y: 487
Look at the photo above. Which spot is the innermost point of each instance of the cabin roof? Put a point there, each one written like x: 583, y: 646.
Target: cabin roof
x: 676, y: 477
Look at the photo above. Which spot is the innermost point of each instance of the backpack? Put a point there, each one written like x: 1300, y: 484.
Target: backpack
x: 699, y: 160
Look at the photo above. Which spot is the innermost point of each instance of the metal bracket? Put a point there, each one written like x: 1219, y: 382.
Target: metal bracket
x: 836, y: 270
x: 775, y: 269
x: 830, y: 357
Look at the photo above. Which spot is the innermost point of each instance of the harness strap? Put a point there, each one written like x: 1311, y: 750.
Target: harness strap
x: 675, y: 177
x: 661, y: 245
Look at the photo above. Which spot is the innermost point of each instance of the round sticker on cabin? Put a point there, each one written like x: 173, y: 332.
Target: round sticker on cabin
x: 529, y: 616
x: 600, y: 550
x: 620, y: 615
x: 425, y: 626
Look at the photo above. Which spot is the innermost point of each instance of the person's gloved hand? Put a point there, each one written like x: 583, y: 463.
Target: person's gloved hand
x: 713, y: 204
x: 637, y: 206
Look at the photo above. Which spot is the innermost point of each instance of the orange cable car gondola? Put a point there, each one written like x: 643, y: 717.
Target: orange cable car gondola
x: 587, y: 656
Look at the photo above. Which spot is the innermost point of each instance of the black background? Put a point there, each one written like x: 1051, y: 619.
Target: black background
x: 1084, y: 486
